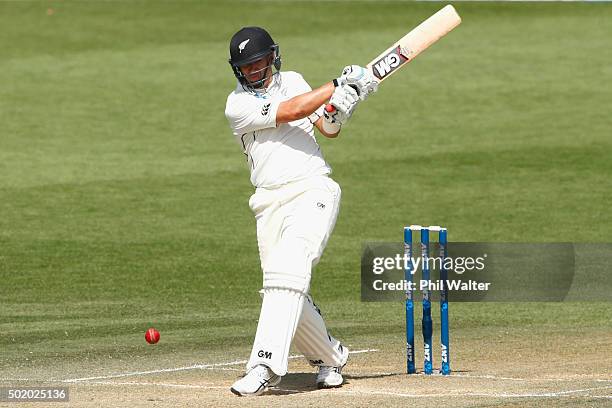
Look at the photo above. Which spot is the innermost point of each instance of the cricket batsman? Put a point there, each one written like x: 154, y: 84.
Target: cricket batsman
x: 272, y: 115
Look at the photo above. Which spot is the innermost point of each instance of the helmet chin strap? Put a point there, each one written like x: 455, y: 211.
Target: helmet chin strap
x: 264, y: 77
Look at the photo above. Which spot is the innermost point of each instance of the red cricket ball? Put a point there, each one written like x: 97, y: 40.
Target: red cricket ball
x: 152, y: 336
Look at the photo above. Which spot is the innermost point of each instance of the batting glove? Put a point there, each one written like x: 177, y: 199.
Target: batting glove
x: 361, y: 79
x: 345, y: 99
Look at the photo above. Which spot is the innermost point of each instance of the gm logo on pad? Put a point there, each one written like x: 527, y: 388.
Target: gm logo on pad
x: 264, y: 354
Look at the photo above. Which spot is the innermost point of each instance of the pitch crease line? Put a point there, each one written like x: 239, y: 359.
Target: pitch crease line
x: 493, y: 377
x: 156, y: 384
x: 561, y: 394
x: 479, y: 394
x: 187, y: 368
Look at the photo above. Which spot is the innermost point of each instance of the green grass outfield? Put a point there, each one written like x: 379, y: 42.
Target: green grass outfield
x: 123, y: 196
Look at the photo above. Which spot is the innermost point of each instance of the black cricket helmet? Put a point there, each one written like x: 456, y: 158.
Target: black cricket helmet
x: 249, y: 45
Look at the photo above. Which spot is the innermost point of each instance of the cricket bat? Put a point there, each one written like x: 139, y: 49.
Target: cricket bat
x: 412, y: 44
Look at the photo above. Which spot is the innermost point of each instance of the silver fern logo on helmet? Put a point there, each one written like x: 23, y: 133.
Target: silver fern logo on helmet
x: 242, y: 45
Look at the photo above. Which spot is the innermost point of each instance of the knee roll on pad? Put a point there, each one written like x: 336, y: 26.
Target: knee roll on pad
x: 288, y: 266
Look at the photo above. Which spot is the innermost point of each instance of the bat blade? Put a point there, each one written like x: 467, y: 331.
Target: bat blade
x: 415, y: 42
x: 412, y: 44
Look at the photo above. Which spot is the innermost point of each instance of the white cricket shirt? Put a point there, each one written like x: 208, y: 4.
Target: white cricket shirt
x: 276, y: 153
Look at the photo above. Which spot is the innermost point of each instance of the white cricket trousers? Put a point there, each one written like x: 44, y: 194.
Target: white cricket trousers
x: 294, y: 222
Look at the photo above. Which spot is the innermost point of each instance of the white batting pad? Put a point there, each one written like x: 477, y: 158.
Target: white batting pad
x: 280, y: 311
x: 313, y: 340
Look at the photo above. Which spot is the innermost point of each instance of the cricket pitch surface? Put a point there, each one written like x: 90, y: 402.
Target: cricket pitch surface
x: 551, y: 369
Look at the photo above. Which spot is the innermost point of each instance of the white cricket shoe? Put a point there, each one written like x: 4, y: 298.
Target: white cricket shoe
x: 255, y: 382
x: 331, y: 377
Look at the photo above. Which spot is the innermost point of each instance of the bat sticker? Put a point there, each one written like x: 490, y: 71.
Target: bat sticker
x: 389, y: 63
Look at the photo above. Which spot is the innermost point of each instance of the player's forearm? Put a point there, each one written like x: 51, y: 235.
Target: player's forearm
x: 304, y: 105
